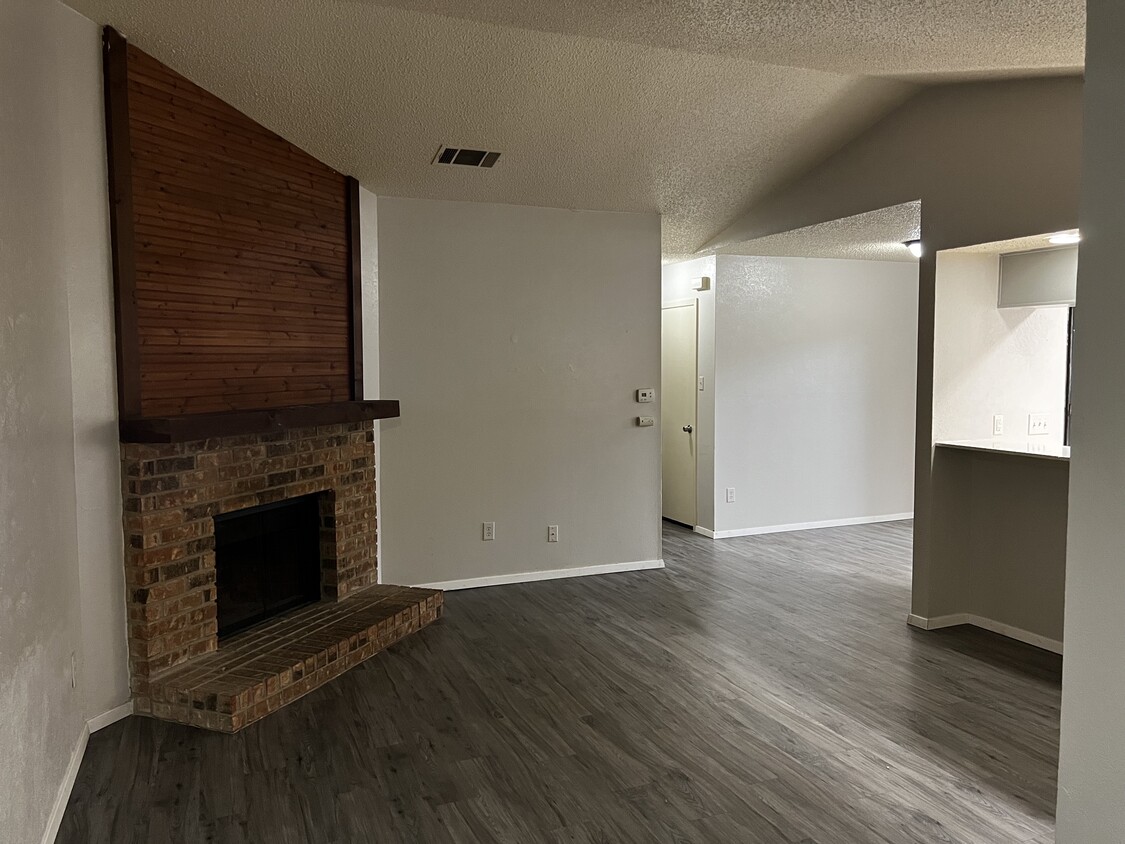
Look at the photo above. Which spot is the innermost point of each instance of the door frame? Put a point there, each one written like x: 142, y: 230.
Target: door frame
x: 671, y: 304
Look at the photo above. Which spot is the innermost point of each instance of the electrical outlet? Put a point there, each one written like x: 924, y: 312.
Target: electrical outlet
x: 552, y: 533
x: 488, y: 531
x: 648, y: 394
x: 730, y: 495
x: 997, y: 425
x: 646, y: 421
x: 701, y: 383
x: 1038, y: 424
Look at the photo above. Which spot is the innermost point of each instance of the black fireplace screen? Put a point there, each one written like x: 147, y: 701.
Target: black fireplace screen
x: 267, y: 560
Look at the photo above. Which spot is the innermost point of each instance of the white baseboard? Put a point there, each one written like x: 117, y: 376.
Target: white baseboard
x: 758, y: 531
x: 554, y: 574
x: 62, y: 797
x: 114, y: 715
x: 710, y: 534
x: 1019, y: 634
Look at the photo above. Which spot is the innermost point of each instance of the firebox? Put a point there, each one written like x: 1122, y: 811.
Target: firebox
x: 267, y: 561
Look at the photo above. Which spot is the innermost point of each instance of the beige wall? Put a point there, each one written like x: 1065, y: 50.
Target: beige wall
x: 1092, y: 769
x: 61, y: 581
x: 515, y: 338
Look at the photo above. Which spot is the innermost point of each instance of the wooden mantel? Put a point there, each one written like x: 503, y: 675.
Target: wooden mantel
x: 202, y: 426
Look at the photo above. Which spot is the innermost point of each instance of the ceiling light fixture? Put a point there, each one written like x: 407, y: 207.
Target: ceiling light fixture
x: 1065, y: 238
x: 915, y: 247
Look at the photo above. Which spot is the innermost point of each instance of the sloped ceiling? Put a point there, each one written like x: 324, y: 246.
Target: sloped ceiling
x: 669, y: 107
x: 875, y: 236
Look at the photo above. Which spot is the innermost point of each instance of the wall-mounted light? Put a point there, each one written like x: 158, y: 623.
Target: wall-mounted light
x: 915, y: 247
x: 1065, y: 238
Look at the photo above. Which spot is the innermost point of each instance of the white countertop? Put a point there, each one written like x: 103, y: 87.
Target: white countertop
x: 1046, y: 449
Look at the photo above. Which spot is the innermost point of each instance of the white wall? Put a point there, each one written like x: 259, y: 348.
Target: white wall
x: 60, y: 536
x: 676, y: 286
x: 514, y: 338
x: 990, y: 361
x: 1092, y: 748
x: 815, y: 390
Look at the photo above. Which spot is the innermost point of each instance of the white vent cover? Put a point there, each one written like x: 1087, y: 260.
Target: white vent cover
x: 466, y: 157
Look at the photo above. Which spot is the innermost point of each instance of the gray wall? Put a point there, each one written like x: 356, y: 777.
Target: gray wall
x: 514, y: 338
x: 1091, y: 809
x: 975, y: 154
x: 61, y: 581
x: 814, y: 391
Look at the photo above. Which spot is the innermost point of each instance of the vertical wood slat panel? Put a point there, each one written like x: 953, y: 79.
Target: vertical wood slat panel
x: 216, y: 209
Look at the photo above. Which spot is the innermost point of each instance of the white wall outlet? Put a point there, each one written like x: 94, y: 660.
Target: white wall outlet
x: 646, y: 395
x: 1038, y: 424
x: 552, y: 533
x: 701, y: 383
x: 998, y: 425
x: 646, y: 421
x: 730, y: 495
x: 488, y: 531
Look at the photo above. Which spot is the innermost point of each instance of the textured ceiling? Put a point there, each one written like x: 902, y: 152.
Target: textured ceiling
x: 874, y: 236
x: 940, y: 39
x: 588, y: 101
x: 1006, y: 247
x: 581, y: 122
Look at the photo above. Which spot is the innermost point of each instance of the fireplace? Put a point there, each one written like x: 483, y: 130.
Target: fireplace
x: 267, y: 561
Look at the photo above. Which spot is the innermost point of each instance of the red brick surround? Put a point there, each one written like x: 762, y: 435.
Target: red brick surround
x: 173, y: 491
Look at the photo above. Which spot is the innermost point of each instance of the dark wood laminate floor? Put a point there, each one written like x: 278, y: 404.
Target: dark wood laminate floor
x: 764, y: 689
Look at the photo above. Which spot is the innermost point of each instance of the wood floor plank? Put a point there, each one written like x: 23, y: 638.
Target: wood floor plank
x: 763, y: 690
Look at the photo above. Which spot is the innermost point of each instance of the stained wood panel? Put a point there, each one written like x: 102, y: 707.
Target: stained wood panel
x: 236, y: 254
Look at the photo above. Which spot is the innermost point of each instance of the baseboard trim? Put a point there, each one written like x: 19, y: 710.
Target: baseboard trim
x: 62, y: 797
x: 1017, y: 633
x: 710, y: 534
x: 831, y: 523
x: 553, y: 574
x: 99, y: 722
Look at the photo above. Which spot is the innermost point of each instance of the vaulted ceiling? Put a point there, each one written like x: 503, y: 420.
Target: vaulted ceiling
x: 690, y: 108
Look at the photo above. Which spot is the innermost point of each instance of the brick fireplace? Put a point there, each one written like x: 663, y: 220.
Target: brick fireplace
x: 172, y: 494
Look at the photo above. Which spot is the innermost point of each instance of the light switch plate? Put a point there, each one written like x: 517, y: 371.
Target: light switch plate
x: 1038, y: 424
x: 646, y: 395
x: 997, y: 425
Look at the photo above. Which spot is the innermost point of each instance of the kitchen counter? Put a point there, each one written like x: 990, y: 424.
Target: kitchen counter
x: 1046, y: 449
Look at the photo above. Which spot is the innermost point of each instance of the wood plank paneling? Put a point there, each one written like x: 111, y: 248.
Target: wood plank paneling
x: 236, y: 249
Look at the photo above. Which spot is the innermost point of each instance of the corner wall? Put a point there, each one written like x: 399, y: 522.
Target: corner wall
x: 61, y: 580
x: 1092, y: 745
x: 815, y: 387
x: 514, y: 338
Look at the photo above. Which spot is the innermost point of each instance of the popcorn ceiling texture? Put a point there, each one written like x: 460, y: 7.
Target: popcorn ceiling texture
x: 874, y: 236
x: 696, y: 110
x: 583, y: 123
x: 939, y: 39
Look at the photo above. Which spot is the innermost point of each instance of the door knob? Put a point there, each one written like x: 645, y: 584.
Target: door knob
x: 688, y: 429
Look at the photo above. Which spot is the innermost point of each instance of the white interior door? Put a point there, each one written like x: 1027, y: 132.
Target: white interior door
x: 677, y: 411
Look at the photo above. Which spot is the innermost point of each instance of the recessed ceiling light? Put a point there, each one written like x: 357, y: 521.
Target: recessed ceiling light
x: 915, y: 247
x: 1065, y: 238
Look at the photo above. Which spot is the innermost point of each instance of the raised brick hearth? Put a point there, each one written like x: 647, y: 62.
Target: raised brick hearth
x: 172, y: 492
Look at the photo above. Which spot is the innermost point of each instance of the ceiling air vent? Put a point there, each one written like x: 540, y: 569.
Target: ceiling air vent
x: 466, y: 157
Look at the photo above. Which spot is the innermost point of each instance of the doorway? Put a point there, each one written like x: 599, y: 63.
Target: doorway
x: 678, y: 423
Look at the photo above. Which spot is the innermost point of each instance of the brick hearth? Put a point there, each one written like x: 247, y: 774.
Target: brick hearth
x: 172, y: 492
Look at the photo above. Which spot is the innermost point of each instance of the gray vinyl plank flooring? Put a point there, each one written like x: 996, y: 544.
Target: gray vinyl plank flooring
x: 764, y: 690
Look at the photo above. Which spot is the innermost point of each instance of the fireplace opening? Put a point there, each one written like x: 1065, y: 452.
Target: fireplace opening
x: 267, y: 561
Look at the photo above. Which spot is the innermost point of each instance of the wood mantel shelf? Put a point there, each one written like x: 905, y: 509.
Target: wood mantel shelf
x: 201, y: 426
